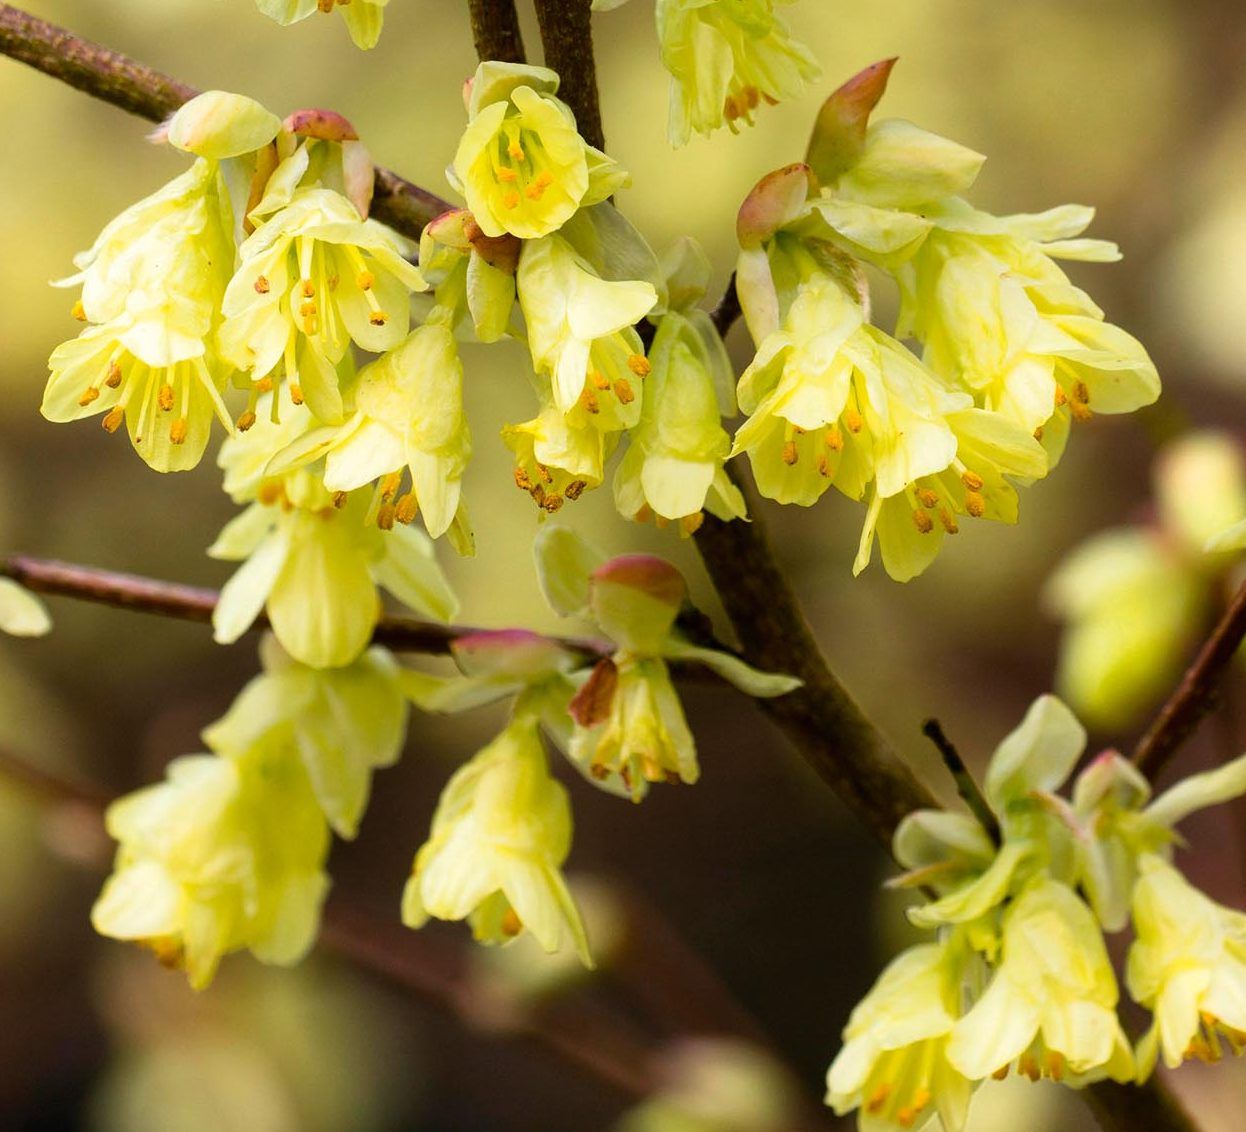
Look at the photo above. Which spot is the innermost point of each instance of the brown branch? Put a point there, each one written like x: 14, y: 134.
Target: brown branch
x: 567, y: 37
x: 114, y: 78
x: 193, y: 603
x: 1197, y: 693
x: 495, y: 30
x: 724, y: 315
x: 966, y: 787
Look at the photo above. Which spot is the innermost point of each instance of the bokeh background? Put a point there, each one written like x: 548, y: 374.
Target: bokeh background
x: 1135, y: 106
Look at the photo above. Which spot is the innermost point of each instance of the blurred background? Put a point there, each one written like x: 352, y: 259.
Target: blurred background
x: 1135, y: 106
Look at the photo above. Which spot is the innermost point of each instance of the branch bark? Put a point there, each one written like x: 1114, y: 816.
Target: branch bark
x: 567, y: 37
x: 495, y: 30
x: 114, y: 78
x: 1197, y: 693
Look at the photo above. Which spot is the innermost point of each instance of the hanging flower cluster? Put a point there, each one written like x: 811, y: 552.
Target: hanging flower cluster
x: 1136, y: 599
x: 1011, y: 350
x: 1020, y: 977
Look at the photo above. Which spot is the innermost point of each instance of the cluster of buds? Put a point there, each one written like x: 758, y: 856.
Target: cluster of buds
x: 1020, y: 977
x: 1011, y: 350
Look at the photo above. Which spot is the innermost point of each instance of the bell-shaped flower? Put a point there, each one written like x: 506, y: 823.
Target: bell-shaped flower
x: 558, y: 456
x: 343, y: 722
x: 226, y: 854
x: 408, y: 419
x: 499, y: 837
x: 364, y: 18
x: 833, y: 400
x: 1187, y: 965
x: 630, y: 725
x: 673, y: 469
x: 167, y: 405
x: 911, y: 525
x: 580, y: 332
x: 521, y: 163
x: 893, y: 1066
x: 725, y: 58
x: 313, y: 278
x: 311, y: 558
x: 1050, y: 1007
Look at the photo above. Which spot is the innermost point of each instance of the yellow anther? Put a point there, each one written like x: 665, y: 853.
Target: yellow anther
x: 522, y: 481
x: 1054, y: 1065
x: 365, y: 279
x: 921, y: 1099
x: 309, y: 289
x: 544, y: 179
x: 112, y: 420
x: 79, y: 311
x: 948, y: 521
x: 339, y: 499
x: 270, y: 492
x: 922, y: 521
x: 407, y: 508
x: 308, y: 309
x: 1080, y: 411
x: 262, y: 286
x: 852, y: 419
x: 661, y: 522
x: 972, y: 480
x: 1080, y: 393
x: 927, y: 497
x: 333, y: 279
x: 639, y: 365
x: 878, y: 1097
x: 114, y: 375
x: 516, y: 151
x: 1061, y: 396
x: 790, y: 455
x: 390, y: 485
x: 545, y: 473
x: 507, y: 175
x: 824, y: 465
x: 552, y: 502
x: 731, y: 109
x: 599, y: 379
x: 1027, y: 1065
x: 296, y: 392
x: 1038, y: 433
x: 1001, y: 1072
x: 385, y: 516
x: 511, y: 199
x: 599, y: 771
x: 165, y: 397
x: 975, y: 504
x: 623, y: 391
x: 644, y: 514
x: 752, y: 96
x: 590, y: 401
x: 325, y: 5
x: 906, y: 1117
x: 245, y: 421
x: 834, y: 439
x: 89, y: 394
x: 264, y: 385
x: 177, y: 431
x: 575, y: 489
x: 534, y: 191
x: 378, y: 318
x: 690, y: 524
x: 512, y: 925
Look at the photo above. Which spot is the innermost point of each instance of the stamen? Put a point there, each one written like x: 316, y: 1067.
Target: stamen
x: 853, y: 420
x: 177, y: 431
x: 264, y: 385
x: 79, y: 311
x: 245, y: 421
x: 824, y: 465
x: 545, y: 473
x: 1079, y: 411
x: 639, y: 365
x: 270, y: 492
x: 590, y: 401
x: 385, y: 516
x: 365, y: 279
x: 339, y: 499
x: 507, y: 175
x: 834, y: 439
x: 309, y: 289
x: 522, y: 481
x: 112, y: 420
x: 1061, y: 396
x: 927, y: 497
x: 378, y: 318
x: 971, y: 480
x: 949, y: 523
x: 645, y: 514
x: 553, y: 502
x: 511, y: 199
x: 165, y: 397
x: 296, y: 392
x: 1080, y: 393
x: 1001, y: 1072
x: 923, y: 522
x: 599, y: 379
x: 512, y: 925
x: 262, y: 286
x: 89, y: 394
x: 407, y: 508
x: 114, y: 375
x: 690, y: 524
x: 790, y: 455
x: 975, y: 504
x: 515, y: 150
x: 1027, y: 1065
x: 879, y: 1096
x: 575, y: 489
x: 390, y: 485
x: 623, y: 391
x: 1055, y: 1065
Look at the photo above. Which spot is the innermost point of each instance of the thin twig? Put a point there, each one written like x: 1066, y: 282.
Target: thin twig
x: 724, y: 315
x: 114, y: 78
x: 966, y: 787
x: 567, y: 37
x: 495, y: 30
x: 1196, y: 695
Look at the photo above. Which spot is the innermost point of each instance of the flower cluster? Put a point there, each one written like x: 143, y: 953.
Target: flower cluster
x: 1011, y: 350
x: 1136, y: 599
x: 364, y: 18
x: 228, y: 853
x: 1020, y: 977
x: 503, y: 825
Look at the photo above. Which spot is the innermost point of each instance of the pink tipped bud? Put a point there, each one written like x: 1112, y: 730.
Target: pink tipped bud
x: 509, y: 652
x: 839, y: 132
x: 652, y: 576
x: 775, y: 200
x: 327, y: 125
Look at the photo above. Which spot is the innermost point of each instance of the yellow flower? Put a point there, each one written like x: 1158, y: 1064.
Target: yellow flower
x: 226, y: 854
x: 313, y: 278
x: 725, y: 58
x: 500, y: 834
x: 521, y: 163
x: 893, y: 1065
x: 364, y: 18
x: 1050, y: 1007
x: 1188, y: 965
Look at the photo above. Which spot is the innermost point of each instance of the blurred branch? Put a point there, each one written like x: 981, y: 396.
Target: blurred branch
x: 495, y: 30
x: 114, y: 78
x: 1197, y: 694
x: 567, y: 37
